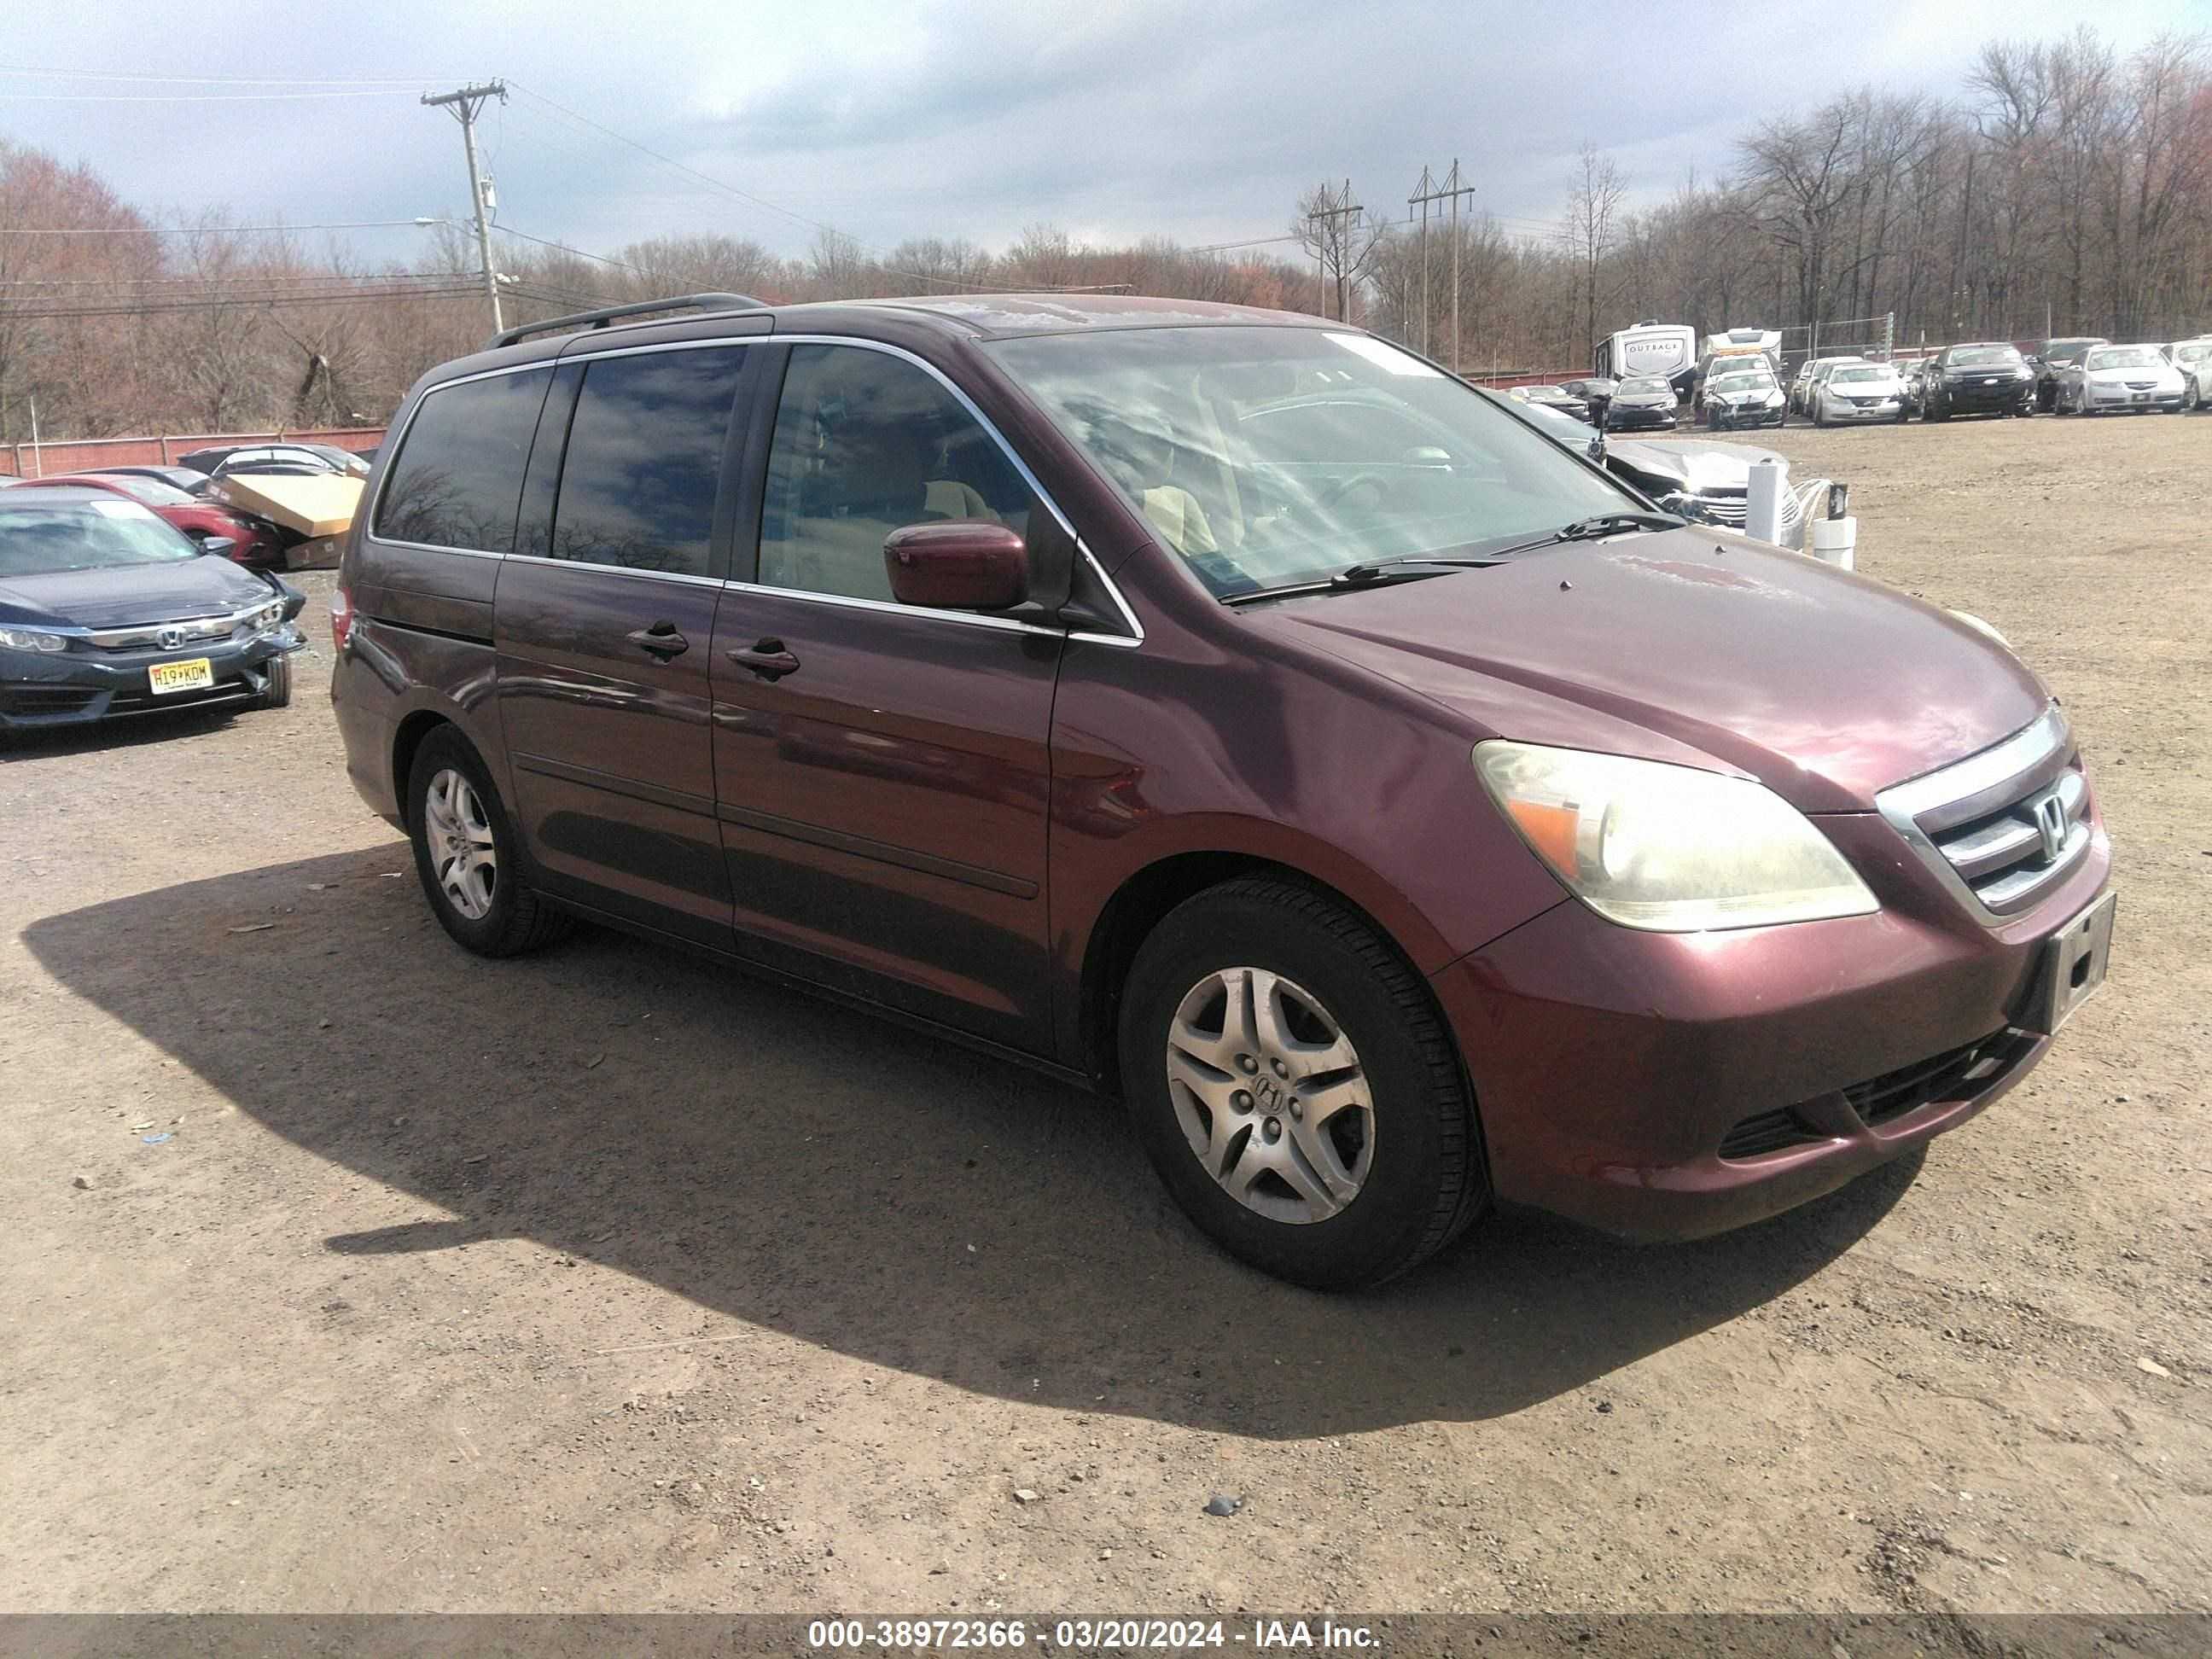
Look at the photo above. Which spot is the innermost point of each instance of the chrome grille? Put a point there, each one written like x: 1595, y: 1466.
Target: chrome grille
x: 2002, y: 826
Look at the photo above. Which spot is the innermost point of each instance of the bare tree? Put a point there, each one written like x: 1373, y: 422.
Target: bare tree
x: 1589, y: 229
x: 1341, y: 239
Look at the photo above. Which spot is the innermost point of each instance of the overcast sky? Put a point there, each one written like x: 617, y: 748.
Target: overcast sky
x: 959, y: 116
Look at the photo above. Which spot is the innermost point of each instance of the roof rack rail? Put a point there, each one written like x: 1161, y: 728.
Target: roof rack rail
x: 601, y: 318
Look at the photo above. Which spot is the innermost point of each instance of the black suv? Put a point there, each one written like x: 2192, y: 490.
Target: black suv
x: 1984, y: 377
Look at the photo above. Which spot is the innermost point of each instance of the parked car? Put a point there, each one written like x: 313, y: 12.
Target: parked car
x: 283, y: 460
x: 105, y: 611
x: 1554, y: 397
x: 1597, y: 393
x: 1816, y: 372
x: 191, y: 482
x: 1644, y: 403
x: 2192, y: 359
x: 245, y: 538
x: 1227, y: 710
x: 1744, y: 397
x: 2130, y: 380
x: 1985, y: 377
x: 1802, y: 378
x: 1911, y: 374
x: 1857, y: 393
x: 2053, y: 358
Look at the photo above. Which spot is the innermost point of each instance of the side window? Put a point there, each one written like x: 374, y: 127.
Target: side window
x: 865, y: 443
x: 458, y: 473
x: 644, y: 458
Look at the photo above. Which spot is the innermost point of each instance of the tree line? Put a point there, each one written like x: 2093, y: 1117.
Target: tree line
x: 2065, y: 187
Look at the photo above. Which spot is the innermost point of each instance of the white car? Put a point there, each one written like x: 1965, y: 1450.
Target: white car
x: 2192, y: 359
x: 1742, y: 397
x: 2121, y: 379
x: 1858, y: 391
x: 1807, y: 370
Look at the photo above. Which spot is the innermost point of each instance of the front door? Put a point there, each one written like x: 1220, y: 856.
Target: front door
x: 883, y: 773
x: 604, y: 621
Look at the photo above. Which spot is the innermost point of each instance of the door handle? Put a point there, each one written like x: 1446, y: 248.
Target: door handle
x: 662, y: 640
x: 766, y: 658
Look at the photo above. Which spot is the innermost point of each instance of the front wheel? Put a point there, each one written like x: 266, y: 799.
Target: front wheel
x: 1295, y: 1087
x: 276, y: 687
x: 466, y: 854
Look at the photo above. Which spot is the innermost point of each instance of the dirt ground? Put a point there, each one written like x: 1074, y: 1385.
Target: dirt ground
x: 607, y: 1280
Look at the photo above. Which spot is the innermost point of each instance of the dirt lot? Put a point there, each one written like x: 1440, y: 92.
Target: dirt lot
x: 607, y: 1280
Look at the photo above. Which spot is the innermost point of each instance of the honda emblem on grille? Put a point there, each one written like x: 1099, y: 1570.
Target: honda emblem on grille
x: 169, y: 638
x: 2050, y: 820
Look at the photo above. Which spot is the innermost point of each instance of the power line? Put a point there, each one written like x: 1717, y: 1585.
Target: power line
x: 192, y: 97
x: 216, y: 80
x: 706, y: 178
x: 624, y: 264
x: 466, y: 288
x: 203, y: 230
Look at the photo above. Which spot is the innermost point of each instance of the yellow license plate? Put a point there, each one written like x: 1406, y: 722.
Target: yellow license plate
x: 194, y: 674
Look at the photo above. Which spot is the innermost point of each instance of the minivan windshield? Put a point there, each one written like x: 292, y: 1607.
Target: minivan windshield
x: 40, y: 537
x: 1271, y: 457
x: 2134, y: 356
x: 1871, y: 372
x: 1645, y: 386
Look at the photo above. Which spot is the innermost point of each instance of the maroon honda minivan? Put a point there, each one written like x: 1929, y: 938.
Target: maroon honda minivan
x: 1232, y: 712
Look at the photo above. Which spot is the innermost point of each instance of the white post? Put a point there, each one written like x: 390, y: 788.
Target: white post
x: 38, y: 466
x: 1762, y: 519
x: 1832, y: 541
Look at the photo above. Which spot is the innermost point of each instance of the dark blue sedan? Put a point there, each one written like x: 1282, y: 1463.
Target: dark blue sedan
x: 105, y: 611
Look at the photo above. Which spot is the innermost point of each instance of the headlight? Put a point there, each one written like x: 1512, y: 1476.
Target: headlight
x: 1670, y: 849
x: 30, y: 639
x: 262, y: 618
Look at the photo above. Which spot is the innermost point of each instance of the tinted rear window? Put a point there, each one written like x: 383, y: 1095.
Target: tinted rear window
x: 458, y: 473
x: 644, y: 454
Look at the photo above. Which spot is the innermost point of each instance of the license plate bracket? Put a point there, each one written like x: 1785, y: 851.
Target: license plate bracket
x: 190, y: 674
x: 2072, y: 970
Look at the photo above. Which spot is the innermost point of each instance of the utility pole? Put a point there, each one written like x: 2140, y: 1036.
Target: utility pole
x: 1452, y: 189
x: 464, y: 104
x: 1423, y: 193
x: 1332, y: 237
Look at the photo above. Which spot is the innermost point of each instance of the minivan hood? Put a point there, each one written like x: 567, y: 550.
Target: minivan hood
x: 1691, y: 647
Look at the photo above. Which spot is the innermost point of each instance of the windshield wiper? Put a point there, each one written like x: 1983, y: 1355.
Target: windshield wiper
x: 1382, y: 572
x: 1605, y: 524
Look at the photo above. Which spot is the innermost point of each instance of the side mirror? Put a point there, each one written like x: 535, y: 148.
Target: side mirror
x: 220, y: 546
x: 959, y: 564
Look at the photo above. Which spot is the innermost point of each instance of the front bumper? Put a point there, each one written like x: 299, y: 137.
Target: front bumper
x: 1988, y: 399
x: 1639, y: 419
x: 2105, y: 402
x: 78, y: 687
x: 1846, y: 414
x: 1613, y: 1068
x: 1738, y: 420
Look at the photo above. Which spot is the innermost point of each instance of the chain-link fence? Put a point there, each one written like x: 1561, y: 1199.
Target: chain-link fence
x: 1872, y: 337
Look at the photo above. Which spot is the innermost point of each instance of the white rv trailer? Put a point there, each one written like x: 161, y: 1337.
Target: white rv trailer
x: 1668, y: 350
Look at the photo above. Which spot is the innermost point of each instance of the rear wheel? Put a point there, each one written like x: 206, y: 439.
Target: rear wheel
x: 1295, y: 1087
x: 466, y: 855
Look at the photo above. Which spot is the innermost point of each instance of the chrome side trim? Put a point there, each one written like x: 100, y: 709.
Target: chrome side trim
x: 1133, y: 638
x: 853, y: 602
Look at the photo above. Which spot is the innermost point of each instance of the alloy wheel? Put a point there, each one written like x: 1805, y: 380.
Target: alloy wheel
x: 462, y: 849
x: 1271, y: 1095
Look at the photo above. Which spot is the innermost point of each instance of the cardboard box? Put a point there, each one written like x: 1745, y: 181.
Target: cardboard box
x: 312, y: 508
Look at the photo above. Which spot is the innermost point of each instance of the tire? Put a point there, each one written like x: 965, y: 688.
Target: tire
x: 513, y: 918
x: 278, y: 694
x: 1819, y: 419
x: 1405, y: 1146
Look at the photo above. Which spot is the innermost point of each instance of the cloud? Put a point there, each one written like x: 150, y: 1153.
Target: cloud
x: 976, y: 117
